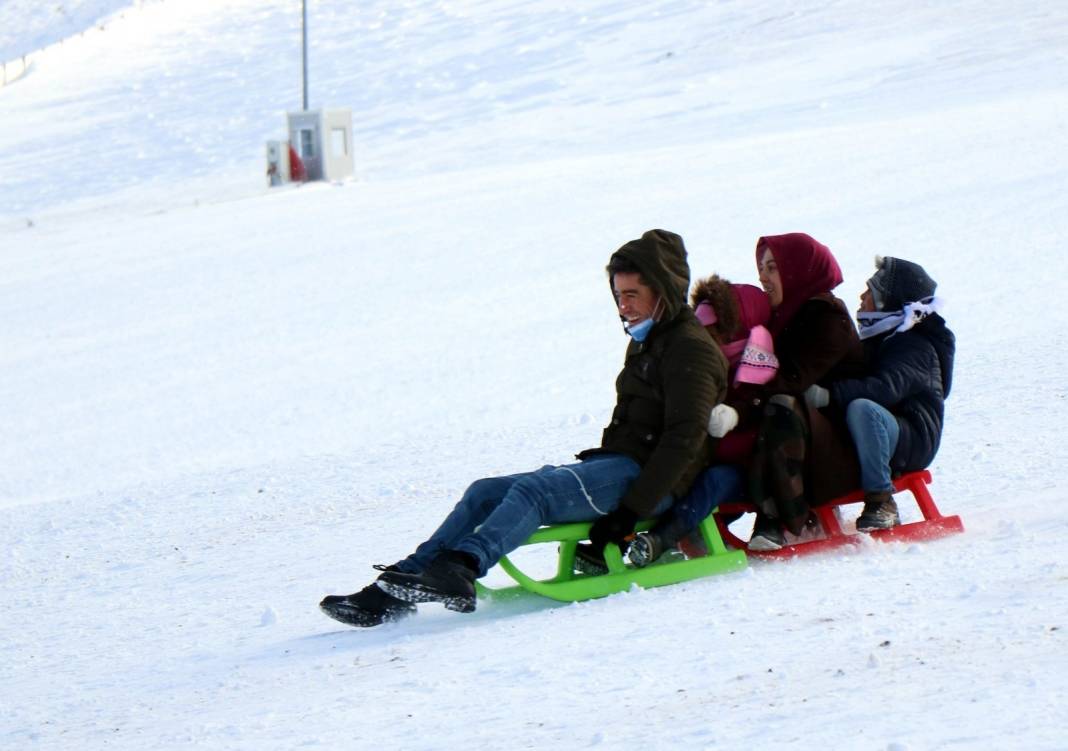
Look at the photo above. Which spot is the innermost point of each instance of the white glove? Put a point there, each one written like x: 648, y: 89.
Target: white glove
x: 817, y: 397
x: 722, y: 420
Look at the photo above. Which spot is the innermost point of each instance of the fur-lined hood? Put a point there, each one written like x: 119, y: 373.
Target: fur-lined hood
x: 739, y: 307
x: 716, y: 291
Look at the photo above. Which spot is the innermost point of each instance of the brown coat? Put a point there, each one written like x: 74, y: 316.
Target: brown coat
x: 818, y: 345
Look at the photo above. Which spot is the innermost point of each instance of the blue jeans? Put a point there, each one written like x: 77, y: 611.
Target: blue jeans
x: 497, y: 514
x: 875, y: 432
x: 717, y: 484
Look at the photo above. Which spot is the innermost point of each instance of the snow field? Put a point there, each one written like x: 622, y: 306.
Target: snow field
x: 221, y: 402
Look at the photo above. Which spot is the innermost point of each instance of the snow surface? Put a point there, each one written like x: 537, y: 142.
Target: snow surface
x: 28, y: 26
x: 220, y: 402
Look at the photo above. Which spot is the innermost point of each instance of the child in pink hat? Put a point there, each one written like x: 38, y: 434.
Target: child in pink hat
x: 735, y: 315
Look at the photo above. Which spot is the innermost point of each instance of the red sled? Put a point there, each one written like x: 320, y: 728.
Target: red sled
x: 932, y: 526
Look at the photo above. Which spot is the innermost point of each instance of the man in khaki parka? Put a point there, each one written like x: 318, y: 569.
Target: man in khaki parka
x: 650, y: 453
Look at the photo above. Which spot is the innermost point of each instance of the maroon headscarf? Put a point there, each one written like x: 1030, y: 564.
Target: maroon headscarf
x: 806, y: 268
x: 753, y: 306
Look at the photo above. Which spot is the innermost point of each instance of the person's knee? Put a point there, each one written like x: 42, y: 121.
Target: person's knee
x: 710, y: 479
x: 483, y: 487
x: 531, y: 492
x: 859, y: 412
x: 781, y: 423
x: 723, y: 482
x: 718, y: 473
x: 488, y: 490
x: 531, y: 487
x: 784, y: 400
x: 489, y: 487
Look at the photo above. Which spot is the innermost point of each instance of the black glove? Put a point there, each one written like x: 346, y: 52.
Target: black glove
x: 612, y: 527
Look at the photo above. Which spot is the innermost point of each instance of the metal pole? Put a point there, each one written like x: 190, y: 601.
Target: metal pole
x: 304, y: 46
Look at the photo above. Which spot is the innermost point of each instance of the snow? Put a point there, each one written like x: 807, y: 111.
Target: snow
x: 28, y: 26
x: 221, y: 402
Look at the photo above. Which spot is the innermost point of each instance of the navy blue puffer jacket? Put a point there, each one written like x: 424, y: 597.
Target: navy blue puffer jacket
x: 910, y: 375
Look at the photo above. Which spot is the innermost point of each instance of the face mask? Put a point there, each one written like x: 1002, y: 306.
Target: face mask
x: 640, y: 330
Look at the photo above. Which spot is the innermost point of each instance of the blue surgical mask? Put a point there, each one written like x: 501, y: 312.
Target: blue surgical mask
x: 640, y: 330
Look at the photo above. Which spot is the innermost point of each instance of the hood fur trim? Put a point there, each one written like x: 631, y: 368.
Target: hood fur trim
x: 716, y: 291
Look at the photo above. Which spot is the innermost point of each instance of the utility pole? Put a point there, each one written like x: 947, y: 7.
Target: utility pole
x: 304, y: 46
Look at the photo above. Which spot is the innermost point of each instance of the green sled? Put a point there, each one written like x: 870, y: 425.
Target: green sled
x: 569, y: 586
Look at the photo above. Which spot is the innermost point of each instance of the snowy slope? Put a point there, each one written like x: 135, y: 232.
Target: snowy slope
x: 221, y: 402
x: 29, y: 26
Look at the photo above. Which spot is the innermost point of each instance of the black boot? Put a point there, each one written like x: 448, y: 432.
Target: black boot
x: 449, y: 579
x: 645, y: 548
x: 368, y: 607
x: 880, y: 512
x: 589, y: 560
x: 767, y: 534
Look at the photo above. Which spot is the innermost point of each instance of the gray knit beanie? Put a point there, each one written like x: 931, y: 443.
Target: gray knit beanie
x: 896, y: 283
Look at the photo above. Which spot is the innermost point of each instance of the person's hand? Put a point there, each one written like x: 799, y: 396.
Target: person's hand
x: 722, y: 420
x: 817, y: 397
x: 612, y: 527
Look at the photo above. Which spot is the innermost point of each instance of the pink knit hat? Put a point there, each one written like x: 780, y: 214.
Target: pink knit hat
x: 758, y: 364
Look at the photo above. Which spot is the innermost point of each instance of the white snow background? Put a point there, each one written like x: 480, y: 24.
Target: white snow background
x: 220, y: 402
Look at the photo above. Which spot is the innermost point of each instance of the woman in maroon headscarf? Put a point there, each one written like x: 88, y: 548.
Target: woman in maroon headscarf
x: 803, y: 456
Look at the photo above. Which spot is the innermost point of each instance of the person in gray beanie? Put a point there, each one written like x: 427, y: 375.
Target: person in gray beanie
x: 895, y: 413
x: 896, y: 283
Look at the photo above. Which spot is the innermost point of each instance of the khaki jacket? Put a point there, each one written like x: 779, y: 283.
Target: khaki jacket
x: 668, y: 385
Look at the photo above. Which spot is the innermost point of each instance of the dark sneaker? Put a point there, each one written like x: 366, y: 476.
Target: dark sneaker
x: 449, y: 579
x: 368, y: 607
x: 589, y: 561
x: 880, y: 512
x: 644, y: 549
x: 767, y: 534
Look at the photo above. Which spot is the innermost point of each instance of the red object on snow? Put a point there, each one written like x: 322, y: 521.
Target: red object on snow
x: 932, y: 526
x: 297, y: 171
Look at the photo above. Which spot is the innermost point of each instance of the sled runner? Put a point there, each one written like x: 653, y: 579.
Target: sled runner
x: 567, y: 585
x: 570, y: 586
x: 932, y: 526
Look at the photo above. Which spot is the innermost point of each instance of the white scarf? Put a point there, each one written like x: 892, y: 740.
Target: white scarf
x: 873, y: 324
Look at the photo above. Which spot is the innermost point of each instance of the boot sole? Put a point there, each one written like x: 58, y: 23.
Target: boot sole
x: 353, y: 616
x: 640, y: 554
x: 875, y: 526
x: 415, y: 593
x: 590, y: 569
x: 763, y: 545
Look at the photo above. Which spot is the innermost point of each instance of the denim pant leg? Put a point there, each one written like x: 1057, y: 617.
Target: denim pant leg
x: 551, y: 495
x: 717, y: 484
x: 875, y: 432
x: 477, y: 503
